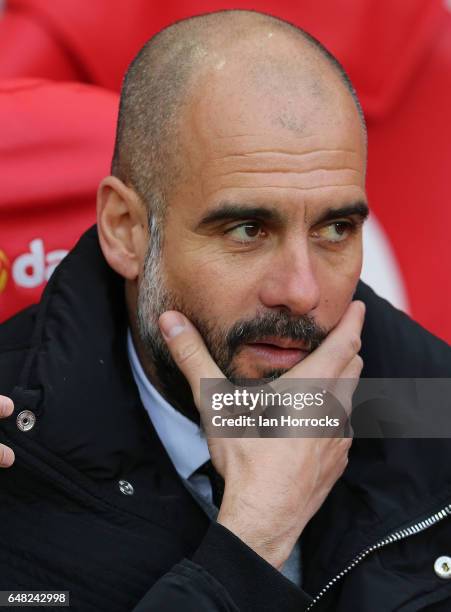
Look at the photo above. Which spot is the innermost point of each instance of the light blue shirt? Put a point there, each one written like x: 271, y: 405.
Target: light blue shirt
x: 183, y: 440
x: 187, y: 447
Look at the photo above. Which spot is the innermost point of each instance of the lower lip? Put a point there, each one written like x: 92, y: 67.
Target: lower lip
x: 274, y: 356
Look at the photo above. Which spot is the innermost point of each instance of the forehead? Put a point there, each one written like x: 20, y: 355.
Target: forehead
x: 301, y: 168
x: 285, y: 85
x: 230, y: 103
x: 262, y: 140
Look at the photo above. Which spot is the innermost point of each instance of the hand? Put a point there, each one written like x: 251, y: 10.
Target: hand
x: 6, y: 454
x: 273, y: 486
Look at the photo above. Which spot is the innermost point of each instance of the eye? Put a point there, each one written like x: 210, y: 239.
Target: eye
x: 335, y: 232
x: 247, y: 232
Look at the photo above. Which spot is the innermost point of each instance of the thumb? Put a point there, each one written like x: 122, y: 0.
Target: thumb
x: 188, y: 350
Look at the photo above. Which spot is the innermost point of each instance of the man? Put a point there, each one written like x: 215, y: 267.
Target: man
x: 232, y: 226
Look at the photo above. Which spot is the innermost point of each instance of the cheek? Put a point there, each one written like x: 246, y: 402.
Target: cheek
x: 214, y: 286
x: 338, y: 277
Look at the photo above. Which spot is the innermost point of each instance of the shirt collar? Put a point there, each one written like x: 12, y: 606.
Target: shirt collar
x: 183, y: 440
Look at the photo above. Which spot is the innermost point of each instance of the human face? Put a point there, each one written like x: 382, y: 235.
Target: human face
x: 262, y: 240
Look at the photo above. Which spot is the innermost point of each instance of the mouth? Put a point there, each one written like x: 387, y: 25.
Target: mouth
x: 277, y: 353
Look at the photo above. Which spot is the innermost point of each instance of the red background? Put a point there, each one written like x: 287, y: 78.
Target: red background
x: 61, y: 65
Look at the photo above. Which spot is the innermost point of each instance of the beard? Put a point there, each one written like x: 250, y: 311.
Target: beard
x: 223, y: 344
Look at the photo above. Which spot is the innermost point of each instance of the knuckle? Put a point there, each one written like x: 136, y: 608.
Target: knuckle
x: 344, y: 463
x: 358, y: 362
x: 355, y: 343
x: 345, y: 445
x: 186, y: 352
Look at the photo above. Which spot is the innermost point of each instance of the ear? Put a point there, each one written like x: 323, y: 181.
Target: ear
x: 122, y: 226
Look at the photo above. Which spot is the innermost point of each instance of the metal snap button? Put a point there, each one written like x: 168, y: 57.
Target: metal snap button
x: 125, y: 487
x: 442, y: 567
x: 25, y: 420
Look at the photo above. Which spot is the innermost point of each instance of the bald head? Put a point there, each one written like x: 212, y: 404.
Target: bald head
x: 282, y: 70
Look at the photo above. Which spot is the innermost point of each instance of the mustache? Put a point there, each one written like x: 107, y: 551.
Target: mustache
x: 283, y: 325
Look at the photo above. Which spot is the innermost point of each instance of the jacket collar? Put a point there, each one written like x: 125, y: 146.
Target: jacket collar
x: 90, y: 422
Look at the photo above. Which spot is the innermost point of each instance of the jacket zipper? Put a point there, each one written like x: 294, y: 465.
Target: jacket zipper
x: 393, y: 537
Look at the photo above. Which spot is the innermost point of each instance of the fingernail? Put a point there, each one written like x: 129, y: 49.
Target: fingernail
x: 6, y: 407
x: 8, y: 457
x: 171, y: 324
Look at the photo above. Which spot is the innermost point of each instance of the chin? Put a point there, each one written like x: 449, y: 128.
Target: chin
x: 253, y: 372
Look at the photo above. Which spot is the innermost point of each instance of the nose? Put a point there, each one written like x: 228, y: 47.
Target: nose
x: 291, y: 282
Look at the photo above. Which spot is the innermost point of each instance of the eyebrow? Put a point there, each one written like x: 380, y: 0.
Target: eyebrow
x: 238, y: 212
x: 228, y: 211
x: 359, y: 209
